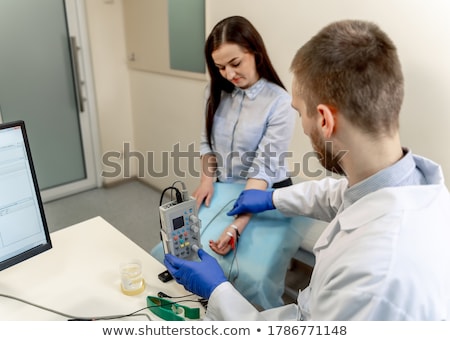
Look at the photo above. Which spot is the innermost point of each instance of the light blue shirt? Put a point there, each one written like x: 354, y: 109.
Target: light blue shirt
x: 251, y: 134
x: 402, y: 173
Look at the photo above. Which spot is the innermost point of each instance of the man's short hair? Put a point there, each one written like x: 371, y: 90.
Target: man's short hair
x: 352, y: 66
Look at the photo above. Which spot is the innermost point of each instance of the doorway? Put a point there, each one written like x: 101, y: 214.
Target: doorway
x: 45, y: 80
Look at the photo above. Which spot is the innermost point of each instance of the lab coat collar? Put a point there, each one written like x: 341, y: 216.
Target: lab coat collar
x: 385, y: 200
x: 378, y: 204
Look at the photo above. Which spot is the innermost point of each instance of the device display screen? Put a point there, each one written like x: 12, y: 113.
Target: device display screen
x: 178, y: 222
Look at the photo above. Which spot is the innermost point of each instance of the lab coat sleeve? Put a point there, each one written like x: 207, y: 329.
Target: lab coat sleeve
x: 227, y: 304
x: 318, y: 199
x: 353, y: 305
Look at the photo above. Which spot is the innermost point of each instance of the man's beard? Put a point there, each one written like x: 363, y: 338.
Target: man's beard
x: 324, y: 150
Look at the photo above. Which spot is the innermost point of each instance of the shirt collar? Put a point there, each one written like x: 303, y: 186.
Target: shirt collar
x: 392, y: 176
x: 252, y: 91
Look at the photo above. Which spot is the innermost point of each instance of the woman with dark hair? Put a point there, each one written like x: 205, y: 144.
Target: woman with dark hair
x: 249, y: 120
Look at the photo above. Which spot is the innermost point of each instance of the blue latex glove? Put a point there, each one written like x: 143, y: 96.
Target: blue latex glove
x: 200, y: 278
x: 252, y: 201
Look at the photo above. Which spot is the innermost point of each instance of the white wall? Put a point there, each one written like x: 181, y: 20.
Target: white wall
x: 420, y: 29
x: 167, y: 110
x: 111, y: 77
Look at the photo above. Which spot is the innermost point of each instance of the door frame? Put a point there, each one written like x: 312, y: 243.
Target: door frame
x: 77, y: 28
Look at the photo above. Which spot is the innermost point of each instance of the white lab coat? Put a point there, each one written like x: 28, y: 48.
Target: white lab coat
x: 387, y: 259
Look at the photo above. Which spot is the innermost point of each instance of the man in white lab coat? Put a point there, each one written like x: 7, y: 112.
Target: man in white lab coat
x: 385, y: 254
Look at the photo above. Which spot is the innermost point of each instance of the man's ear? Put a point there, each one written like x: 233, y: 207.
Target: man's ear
x: 328, y: 119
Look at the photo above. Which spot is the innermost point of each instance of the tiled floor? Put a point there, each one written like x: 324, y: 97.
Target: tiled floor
x: 133, y: 208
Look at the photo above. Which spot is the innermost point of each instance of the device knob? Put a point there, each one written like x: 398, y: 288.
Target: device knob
x: 193, y: 219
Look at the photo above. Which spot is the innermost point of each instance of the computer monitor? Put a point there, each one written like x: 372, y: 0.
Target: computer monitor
x: 23, y: 227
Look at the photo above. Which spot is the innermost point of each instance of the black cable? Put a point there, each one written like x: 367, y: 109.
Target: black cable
x: 216, y: 215
x: 184, y: 190
x: 97, y: 318
x: 201, y: 300
x: 232, y: 263
x: 163, y: 294
x: 179, y: 197
x: 72, y: 317
x: 234, y: 259
x: 178, y: 194
x: 133, y: 313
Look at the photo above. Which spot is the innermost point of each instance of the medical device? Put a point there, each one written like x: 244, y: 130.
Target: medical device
x: 180, y: 226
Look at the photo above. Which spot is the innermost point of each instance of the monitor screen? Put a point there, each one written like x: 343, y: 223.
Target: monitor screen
x: 23, y: 227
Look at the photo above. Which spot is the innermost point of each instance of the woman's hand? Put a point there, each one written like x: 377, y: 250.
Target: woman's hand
x: 204, y: 193
x: 229, y: 237
x: 205, y: 190
x: 223, y: 245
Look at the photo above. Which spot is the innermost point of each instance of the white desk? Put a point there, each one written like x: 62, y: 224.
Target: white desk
x: 80, y: 276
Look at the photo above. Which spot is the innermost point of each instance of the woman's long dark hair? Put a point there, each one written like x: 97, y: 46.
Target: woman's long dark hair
x: 235, y: 30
